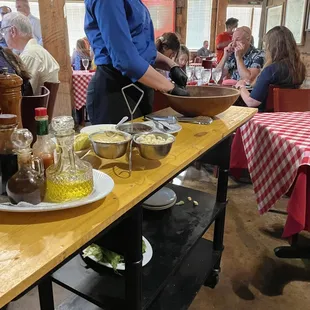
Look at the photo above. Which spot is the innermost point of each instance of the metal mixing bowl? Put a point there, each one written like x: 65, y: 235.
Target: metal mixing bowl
x: 154, y: 151
x: 134, y: 128
x: 110, y: 150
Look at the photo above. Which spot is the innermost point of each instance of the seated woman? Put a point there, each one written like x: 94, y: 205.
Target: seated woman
x: 183, y: 57
x: 15, y: 65
x: 283, y: 68
x: 82, y: 51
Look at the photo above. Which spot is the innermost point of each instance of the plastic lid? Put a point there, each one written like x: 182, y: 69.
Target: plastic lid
x: 8, y: 119
x: 40, y: 112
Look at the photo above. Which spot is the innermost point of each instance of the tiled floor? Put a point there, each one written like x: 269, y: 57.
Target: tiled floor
x: 252, y: 277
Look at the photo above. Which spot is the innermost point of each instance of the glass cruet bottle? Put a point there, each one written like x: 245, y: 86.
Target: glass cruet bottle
x: 70, y: 178
x: 28, y: 183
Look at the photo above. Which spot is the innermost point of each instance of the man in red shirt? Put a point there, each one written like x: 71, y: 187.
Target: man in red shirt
x: 223, y: 39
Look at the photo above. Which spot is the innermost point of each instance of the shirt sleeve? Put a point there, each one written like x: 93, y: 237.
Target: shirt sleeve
x: 34, y: 67
x: 258, y: 61
x: 260, y: 90
x: 115, y: 32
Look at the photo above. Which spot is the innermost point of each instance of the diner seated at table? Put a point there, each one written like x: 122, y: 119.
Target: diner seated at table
x: 241, y: 60
x: 183, y: 57
x: 14, y: 65
x: 204, y: 51
x: 38, y: 61
x: 81, y: 51
x: 283, y: 68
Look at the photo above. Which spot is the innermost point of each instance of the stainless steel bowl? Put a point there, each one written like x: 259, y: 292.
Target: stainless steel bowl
x: 134, y: 128
x: 110, y: 150
x: 154, y: 151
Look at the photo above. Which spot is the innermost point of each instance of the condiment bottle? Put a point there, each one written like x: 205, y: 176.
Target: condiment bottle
x: 70, y: 178
x: 28, y: 183
x: 11, y: 95
x: 44, y: 147
x: 8, y: 159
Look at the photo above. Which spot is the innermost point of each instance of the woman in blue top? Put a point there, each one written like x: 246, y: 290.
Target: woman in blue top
x: 283, y: 67
x: 121, y: 35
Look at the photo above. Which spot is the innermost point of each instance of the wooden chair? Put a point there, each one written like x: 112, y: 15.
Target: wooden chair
x: 291, y: 100
x: 53, y: 88
x: 29, y: 103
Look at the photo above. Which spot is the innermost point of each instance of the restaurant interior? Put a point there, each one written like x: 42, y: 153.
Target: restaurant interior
x: 199, y: 200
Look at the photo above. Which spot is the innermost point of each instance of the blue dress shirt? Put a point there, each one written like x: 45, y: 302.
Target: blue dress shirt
x: 121, y: 33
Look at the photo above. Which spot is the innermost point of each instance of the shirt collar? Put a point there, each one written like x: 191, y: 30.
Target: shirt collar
x: 29, y: 43
x: 249, y: 51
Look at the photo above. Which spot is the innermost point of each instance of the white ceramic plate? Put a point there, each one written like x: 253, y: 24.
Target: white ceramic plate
x: 103, y: 185
x: 168, y: 206
x: 161, y: 198
x: 174, y: 127
x: 146, y: 257
x: 94, y: 128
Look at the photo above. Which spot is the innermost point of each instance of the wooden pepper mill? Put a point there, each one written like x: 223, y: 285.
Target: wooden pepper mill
x: 11, y: 95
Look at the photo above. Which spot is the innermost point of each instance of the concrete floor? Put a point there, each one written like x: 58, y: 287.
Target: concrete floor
x: 252, y: 276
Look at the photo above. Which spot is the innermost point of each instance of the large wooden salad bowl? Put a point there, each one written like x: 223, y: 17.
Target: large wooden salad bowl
x: 203, y: 100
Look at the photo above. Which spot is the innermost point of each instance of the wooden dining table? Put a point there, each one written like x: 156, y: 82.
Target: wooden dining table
x: 38, y: 248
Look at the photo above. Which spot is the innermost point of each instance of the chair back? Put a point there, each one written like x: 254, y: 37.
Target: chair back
x: 53, y: 88
x: 291, y: 100
x: 29, y: 103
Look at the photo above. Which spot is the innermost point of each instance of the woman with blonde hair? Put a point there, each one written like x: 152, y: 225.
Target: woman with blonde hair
x: 82, y: 51
x: 283, y: 68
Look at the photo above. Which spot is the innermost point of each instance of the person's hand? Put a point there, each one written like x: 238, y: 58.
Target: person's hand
x: 229, y: 49
x: 240, y: 84
x: 179, y: 91
x: 178, y: 76
x: 239, y: 48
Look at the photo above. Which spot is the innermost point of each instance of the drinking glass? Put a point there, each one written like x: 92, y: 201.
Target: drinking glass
x: 85, y: 63
x: 205, y: 76
x: 216, y: 74
x: 189, y: 72
x: 198, y: 70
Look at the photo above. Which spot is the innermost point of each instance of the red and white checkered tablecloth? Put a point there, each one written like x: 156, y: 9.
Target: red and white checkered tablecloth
x: 80, y: 81
x: 276, y: 145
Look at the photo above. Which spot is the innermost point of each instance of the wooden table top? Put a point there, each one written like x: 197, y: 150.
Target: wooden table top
x: 32, y: 244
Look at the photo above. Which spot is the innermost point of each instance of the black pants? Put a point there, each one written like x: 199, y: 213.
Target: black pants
x: 105, y: 102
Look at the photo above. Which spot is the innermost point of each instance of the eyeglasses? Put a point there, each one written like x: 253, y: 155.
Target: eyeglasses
x: 2, y: 32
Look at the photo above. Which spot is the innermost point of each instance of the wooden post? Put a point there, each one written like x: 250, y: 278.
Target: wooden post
x: 55, y: 40
x: 221, y: 16
x: 262, y: 24
x: 181, y: 19
x: 213, y: 26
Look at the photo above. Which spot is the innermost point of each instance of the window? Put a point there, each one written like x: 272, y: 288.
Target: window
x: 248, y: 16
x: 163, y: 15
x: 198, y: 22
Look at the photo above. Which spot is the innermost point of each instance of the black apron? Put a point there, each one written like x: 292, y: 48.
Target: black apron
x: 105, y: 103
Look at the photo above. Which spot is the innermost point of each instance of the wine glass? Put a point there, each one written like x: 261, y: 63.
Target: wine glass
x: 216, y: 74
x: 198, y: 71
x: 189, y: 72
x: 85, y: 63
x: 205, y: 76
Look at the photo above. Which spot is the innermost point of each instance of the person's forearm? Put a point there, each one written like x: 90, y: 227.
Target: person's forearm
x: 250, y: 102
x: 245, y: 74
x: 221, y: 64
x: 155, y: 80
x: 163, y: 62
x: 222, y: 45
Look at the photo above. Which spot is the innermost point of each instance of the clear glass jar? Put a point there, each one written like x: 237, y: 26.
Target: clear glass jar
x: 70, y: 178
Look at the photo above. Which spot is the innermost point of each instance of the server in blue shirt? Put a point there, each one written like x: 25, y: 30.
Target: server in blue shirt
x: 121, y: 34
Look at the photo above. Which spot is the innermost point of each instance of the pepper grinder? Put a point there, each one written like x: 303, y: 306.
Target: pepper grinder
x: 11, y: 95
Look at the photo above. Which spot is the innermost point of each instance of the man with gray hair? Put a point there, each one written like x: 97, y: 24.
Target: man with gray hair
x: 17, y: 32
x: 22, y: 6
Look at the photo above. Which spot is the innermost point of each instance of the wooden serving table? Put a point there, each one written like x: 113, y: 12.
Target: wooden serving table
x: 38, y: 248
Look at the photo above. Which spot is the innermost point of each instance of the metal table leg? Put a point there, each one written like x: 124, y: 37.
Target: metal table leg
x: 133, y: 260
x: 46, y: 294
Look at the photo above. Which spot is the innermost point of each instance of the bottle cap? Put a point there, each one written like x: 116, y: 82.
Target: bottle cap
x: 40, y: 112
x: 8, y: 119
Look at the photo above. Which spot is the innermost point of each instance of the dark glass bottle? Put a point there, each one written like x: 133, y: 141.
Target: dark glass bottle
x: 8, y: 159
